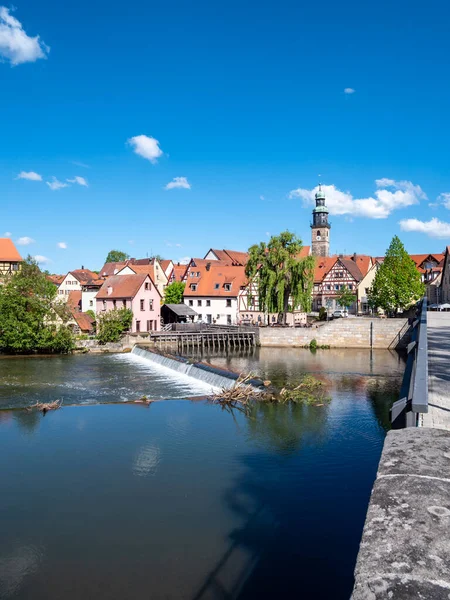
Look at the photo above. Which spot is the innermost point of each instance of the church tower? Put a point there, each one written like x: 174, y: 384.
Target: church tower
x: 320, y: 228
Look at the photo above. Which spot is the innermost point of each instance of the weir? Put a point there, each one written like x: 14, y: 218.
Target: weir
x: 213, y: 376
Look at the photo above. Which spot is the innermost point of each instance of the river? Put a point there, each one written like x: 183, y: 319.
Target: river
x: 181, y: 499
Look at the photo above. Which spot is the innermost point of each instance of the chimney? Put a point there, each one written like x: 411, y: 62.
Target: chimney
x: 82, y: 266
x: 341, y: 256
x: 354, y: 256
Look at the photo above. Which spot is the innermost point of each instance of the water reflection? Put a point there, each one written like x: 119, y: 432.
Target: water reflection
x: 22, y: 562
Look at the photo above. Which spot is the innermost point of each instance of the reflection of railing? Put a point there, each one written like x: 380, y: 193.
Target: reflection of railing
x: 414, y: 393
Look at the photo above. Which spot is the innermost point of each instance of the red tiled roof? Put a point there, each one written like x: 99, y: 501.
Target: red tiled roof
x: 211, y: 281
x: 56, y: 279
x: 8, y: 251
x: 84, y: 275
x: 111, y: 268
x: 165, y: 264
x: 179, y: 272
x: 122, y: 286
x: 323, y: 265
x: 363, y: 261
x: 74, y: 300
x: 352, y: 268
x: 232, y: 257
x: 84, y: 321
x: 419, y: 259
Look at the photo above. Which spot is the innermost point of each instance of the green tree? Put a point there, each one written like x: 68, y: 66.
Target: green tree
x: 345, y: 297
x: 117, y: 256
x: 173, y: 294
x: 397, y: 283
x: 31, y: 319
x: 111, y: 325
x: 92, y: 314
x: 283, y: 278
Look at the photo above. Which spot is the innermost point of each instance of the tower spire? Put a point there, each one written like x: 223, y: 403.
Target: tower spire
x: 320, y: 228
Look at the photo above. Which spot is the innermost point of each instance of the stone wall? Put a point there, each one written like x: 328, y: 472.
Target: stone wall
x: 341, y: 333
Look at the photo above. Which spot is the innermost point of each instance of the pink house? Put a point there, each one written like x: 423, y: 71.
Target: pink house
x: 137, y: 292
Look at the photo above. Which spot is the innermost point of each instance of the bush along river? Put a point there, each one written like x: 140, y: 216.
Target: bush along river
x: 181, y: 499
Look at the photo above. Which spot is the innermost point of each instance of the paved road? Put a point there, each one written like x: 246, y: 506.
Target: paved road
x: 438, y: 415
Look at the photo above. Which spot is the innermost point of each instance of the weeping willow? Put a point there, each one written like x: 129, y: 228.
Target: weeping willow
x: 284, y: 279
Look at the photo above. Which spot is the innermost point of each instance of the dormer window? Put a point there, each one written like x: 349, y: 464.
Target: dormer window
x: 227, y: 287
x: 194, y: 287
x: 216, y: 286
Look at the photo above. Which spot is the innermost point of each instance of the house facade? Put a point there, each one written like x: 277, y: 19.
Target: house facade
x: 74, y: 281
x: 153, y: 269
x: 10, y: 259
x: 212, y: 290
x: 135, y: 292
x: 444, y: 289
x: 332, y: 274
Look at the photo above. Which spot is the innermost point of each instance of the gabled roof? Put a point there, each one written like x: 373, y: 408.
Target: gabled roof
x: 363, y: 261
x: 111, y: 268
x: 323, y: 266
x: 231, y: 257
x: 84, y: 321
x: 352, y: 268
x: 181, y: 310
x: 212, y: 280
x: 83, y: 275
x: 165, y: 264
x: 8, y: 251
x: 142, y: 270
x: 419, y: 259
x: 56, y: 279
x: 122, y: 286
x: 74, y: 300
x: 179, y: 272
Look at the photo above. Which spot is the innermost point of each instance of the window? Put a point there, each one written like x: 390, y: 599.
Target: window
x: 199, y: 302
x: 192, y: 273
x: 147, y: 285
x: 124, y: 303
x: 208, y: 303
x: 336, y: 287
x: 149, y: 325
x: 142, y: 304
x: 328, y: 287
x: 91, y: 303
x: 209, y: 318
x: 199, y: 317
x: 228, y: 302
x: 150, y: 304
x: 227, y: 286
x: 138, y: 326
x: 216, y: 286
x: 228, y: 319
x: 191, y: 303
x: 367, y: 290
x: 114, y: 304
x: 350, y: 286
x: 198, y: 273
x: 316, y: 287
x: 194, y: 287
x: 104, y: 304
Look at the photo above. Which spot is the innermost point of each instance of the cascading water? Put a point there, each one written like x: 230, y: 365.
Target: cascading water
x: 216, y: 378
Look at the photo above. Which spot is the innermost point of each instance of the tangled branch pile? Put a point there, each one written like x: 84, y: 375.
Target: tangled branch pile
x: 46, y: 406
x: 309, y: 391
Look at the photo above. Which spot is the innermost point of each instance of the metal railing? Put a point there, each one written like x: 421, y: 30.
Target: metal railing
x: 414, y: 391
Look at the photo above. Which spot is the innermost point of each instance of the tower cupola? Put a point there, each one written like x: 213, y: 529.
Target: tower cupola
x: 320, y: 228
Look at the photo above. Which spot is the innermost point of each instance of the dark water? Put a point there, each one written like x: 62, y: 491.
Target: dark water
x: 181, y: 499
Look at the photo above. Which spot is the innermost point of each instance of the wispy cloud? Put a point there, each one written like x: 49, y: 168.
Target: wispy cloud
x: 184, y: 260
x: 55, y: 184
x: 62, y: 245
x: 443, y: 199
x: 80, y: 164
x: 171, y: 244
x: 42, y: 260
x: 31, y: 175
x: 178, y: 182
x: 15, y: 45
x: 390, y: 195
x: 79, y: 180
x: 261, y: 198
x: 146, y: 146
x: 349, y: 91
x: 7, y: 234
x: 25, y: 241
x: 433, y: 228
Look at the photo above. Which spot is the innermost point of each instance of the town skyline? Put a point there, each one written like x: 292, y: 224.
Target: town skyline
x: 163, y: 145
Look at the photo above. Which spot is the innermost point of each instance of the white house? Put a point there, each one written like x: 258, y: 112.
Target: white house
x: 73, y: 281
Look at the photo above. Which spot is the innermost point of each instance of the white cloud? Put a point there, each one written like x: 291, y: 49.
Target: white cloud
x: 433, y: 227
x: 80, y: 180
x: 147, y: 147
x: 349, y: 91
x: 43, y: 260
x: 389, y: 196
x: 31, y: 175
x: 444, y: 199
x: 184, y: 260
x: 56, y: 184
x: 268, y: 234
x: 178, y: 182
x: 62, y: 245
x: 261, y: 198
x: 80, y: 164
x: 15, y: 45
x: 25, y: 241
x: 7, y: 234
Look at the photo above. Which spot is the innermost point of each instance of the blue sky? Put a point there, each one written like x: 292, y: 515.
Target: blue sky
x: 247, y: 101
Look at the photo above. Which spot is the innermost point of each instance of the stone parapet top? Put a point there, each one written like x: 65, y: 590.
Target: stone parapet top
x: 405, y: 547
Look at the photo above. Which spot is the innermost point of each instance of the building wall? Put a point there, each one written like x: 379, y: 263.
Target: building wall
x: 445, y: 282
x: 220, y: 313
x: 362, y: 290
x: 69, y: 284
x: 320, y: 247
x: 6, y: 266
x: 88, y: 301
x: 341, y: 333
x: 141, y: 316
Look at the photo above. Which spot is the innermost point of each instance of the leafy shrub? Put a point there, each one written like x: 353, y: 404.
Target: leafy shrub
x: 112, y: 324
x: 313, y: 344
x: 322, y: 313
